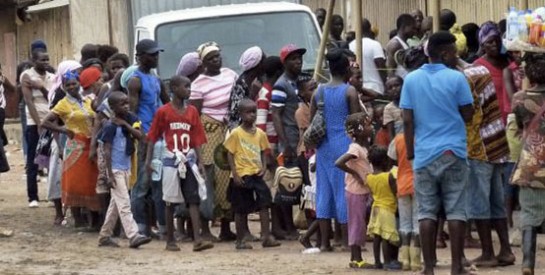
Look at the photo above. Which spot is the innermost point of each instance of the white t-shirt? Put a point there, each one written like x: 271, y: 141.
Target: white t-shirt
x: 40, y: 101
x: 371, y: 51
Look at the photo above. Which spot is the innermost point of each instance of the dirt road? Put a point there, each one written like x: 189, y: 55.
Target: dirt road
x: 38, y: 247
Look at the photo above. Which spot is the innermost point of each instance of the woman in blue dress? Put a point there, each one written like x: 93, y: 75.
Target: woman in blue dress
x: 340, y: 100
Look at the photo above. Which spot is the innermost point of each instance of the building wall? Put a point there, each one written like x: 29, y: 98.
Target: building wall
x: 53, y: 26
x: 383, y: 13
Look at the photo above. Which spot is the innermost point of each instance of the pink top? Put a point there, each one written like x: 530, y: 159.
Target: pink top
x: 215, y: 92
x: 361, y: 165
x: 501, y: 93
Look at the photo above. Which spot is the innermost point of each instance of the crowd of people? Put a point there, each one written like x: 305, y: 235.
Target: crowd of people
x: 459, y: 141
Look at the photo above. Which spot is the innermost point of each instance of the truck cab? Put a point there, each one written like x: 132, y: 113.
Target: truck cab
x: 235, y: 28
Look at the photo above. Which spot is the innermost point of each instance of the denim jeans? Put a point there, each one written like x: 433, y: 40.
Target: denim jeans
x: 408, y: 214
x: 144, y: 193
x: 486, y: 199
x: 442, y: 183
x: 32, y: 137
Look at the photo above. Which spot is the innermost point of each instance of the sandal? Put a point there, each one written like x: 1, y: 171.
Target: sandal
x: 172, y: 246
x: 203, y: 245
x: 58, y: 220
x: 361, y: 265
x: 305, y: 242
x: 270, y: 242
x: 506, y: 261
x: 243, y: 246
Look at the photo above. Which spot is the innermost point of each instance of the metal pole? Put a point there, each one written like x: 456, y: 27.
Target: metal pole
x: 323, y: 42
x: 435, y: 12
x: 357, y: 19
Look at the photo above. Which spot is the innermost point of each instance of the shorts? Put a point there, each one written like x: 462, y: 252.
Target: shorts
x: 442, y: 183
x: 178, y: 190
x: 510, y: 191
x: 408, y: 215
x: 357, y: 215
x: 486, y: 199
x: 253, y: 196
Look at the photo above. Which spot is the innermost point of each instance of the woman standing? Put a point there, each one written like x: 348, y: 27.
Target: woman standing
x: 529, y: 108
x: 340, y: 100
x: 56, y: 94
x: 210, y: 94
x: 79, y: 174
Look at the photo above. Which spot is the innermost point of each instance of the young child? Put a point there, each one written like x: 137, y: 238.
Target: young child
x: 247, y: 191
x: 180, y: 127
x: 382, y: 224
x: 117, y: 138
x: 392, y: 113
x: 408, y: 219
x: 357, y: 167
x: 382, y: 138
x: 310, y: 211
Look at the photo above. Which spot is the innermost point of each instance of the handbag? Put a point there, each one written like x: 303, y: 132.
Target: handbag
x: 4, y: 165
x: 288, y: 183
x: 316, y: 131
x: 43, y: 149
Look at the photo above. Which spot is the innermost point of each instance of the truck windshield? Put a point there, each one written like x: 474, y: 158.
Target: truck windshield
x: 235, y: 34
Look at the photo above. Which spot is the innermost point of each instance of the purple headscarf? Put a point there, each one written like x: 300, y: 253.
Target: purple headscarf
x: 487, y: 31
x: 189, y: 64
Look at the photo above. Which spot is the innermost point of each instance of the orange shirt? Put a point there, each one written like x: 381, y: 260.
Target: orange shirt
x: 405, y: 176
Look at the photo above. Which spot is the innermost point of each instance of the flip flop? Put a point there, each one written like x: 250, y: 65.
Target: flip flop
x: 204, y: 245
x: 361, y: 265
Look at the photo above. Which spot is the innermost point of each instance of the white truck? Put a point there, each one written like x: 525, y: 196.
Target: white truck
x: 235, y: 28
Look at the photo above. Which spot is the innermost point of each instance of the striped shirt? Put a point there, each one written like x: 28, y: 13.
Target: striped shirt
x: 264, y: 119
x: 284, y: 96
x: 215, y: 92
x: 486, y: 139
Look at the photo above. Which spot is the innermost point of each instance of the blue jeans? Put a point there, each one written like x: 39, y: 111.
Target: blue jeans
x: 486, y: 199
x: 31, y: 168
x: 509, y: 190
x: 408, y: 215
x: 442, y: 183
x: 144, y: 193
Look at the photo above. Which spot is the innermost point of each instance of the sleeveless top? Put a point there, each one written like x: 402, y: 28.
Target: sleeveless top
x: 41, y: 103
x: 149, y: 100
x: 336, y: 109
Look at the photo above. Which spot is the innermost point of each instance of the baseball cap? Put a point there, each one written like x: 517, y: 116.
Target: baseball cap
x: 289, y: 49
x: 147, y: 46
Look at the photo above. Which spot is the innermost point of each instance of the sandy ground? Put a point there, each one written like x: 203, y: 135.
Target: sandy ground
x: 38, y: 247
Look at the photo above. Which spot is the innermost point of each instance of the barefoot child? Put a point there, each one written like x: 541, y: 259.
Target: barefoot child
x: 180, y: 127
x: 247, y: 191
x: 117, y: 137
x: 382, y: 224
x: 357, y: 167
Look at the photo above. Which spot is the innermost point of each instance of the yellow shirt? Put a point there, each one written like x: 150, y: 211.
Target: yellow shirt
x: 77, y: 118
x: 246, y: 149
x: 461, y: 40
x: 382, y: 194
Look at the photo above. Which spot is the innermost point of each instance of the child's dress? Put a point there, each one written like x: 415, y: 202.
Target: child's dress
x: 309, y: 193
x: 383, y: 221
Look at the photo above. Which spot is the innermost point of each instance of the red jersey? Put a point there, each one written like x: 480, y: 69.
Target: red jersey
x: 184, y: 131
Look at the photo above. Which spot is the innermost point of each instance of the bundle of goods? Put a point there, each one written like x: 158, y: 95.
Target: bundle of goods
x: 525, y: 30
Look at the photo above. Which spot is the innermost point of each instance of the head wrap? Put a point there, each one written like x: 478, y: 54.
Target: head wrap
x: 64, y: 67
x: 126, y: 76
x: 487, y: 31
x: 189, y: 64
x: 89, y: 76
x: 38, y: 44
x: 250, y: 58
x: 204, y: 49
x: 70, y: 75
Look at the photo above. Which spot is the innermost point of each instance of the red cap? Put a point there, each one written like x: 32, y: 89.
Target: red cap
x: 289, y: 49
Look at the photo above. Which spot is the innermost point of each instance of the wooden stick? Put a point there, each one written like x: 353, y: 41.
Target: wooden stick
x: 357, y: 19
x: 435, y: 12
x: 323, y: 42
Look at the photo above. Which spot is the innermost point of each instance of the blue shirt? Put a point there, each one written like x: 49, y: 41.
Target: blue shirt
x: 121, y: 141
x: 149, y: 100
x: 435, y: 93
